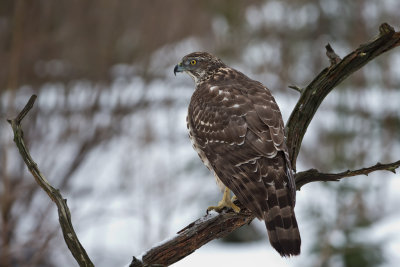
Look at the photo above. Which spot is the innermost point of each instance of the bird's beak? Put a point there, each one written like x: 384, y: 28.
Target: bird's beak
x: 178, y: 68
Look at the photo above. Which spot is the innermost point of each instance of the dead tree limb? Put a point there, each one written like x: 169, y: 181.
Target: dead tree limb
x: 199, y: 232
x: 314, y: 175
x: 64, y: 215
x: 313, y: 95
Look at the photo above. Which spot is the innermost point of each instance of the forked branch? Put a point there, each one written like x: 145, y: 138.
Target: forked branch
x: 64, y: 215
x: 313, y: 95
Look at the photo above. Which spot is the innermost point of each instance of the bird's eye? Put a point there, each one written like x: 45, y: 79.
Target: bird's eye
x: 193, y: 62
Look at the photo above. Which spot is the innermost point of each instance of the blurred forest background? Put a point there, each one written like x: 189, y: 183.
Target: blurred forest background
x: 109, y: 127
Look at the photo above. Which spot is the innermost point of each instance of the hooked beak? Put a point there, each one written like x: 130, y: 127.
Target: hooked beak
x: 178, y: 68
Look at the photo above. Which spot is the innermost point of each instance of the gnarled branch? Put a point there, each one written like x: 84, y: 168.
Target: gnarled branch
x: 313, y: 95
x: 64, y: 215
x: 314, y: 175
x: 193, y: 236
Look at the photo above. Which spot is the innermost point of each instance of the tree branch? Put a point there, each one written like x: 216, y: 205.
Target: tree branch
x: 313, y: 95
x: 193, y: 236
x: 206, y: 229
x: 314, y: 175
x: 64, y: 214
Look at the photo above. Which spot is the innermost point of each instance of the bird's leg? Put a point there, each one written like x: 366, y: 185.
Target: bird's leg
x: 226, y: 202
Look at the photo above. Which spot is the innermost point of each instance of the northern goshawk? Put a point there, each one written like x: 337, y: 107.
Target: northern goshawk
x: 237, y: 129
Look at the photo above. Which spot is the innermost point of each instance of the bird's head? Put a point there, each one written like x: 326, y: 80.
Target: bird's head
x: 199, y: 65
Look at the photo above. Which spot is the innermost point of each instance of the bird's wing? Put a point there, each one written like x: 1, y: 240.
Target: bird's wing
x: 241, y: 133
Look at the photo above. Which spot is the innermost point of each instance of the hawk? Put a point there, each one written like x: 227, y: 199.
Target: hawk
x: 237, y: 129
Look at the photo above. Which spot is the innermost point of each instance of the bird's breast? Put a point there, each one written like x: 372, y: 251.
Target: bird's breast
x: 196, y: 145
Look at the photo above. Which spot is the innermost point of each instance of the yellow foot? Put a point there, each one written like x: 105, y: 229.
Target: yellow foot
x: 226, y: 202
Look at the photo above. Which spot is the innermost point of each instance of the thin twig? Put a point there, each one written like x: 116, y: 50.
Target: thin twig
x: 64, y: 214
x: 333, y: 57
x: 314, y: 175
x: 296, y: 88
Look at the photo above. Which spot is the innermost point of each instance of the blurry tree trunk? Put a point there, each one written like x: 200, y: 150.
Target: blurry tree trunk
x: 6, y: 199
x: 16, y: 44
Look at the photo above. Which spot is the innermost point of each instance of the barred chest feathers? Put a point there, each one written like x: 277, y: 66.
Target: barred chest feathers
x: 201, y: 154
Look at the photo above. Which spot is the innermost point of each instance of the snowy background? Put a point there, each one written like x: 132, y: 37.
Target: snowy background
x: 118, y: 148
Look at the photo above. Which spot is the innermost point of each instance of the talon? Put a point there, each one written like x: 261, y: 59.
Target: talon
x: 216, y: 208
x: 235, y: 208
x: 226, y: 202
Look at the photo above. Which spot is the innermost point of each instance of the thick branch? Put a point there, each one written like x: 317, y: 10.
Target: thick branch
x: 205, y: 229
x: 193, y: 236
x: 215, y: 226
x: 64, y: 215
x: 313, y: 95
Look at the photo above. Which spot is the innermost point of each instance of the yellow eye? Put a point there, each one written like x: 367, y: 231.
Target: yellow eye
x: 193, y: 62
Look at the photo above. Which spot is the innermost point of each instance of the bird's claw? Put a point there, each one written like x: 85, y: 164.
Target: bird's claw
x: 226, y: 202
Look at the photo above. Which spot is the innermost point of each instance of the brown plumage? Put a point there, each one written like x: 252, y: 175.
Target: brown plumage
x: 236, y: 127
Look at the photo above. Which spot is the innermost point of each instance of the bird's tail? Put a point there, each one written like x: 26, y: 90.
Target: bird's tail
x: 283, y: 231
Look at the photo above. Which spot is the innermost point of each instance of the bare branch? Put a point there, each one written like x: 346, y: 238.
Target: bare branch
x: 296, y: 88
x: 24, y: 111
x: 64, y: 215
x: 193, y: 236
x: 314, y: 175
x: 333, y: 57
x: 313, y: 95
